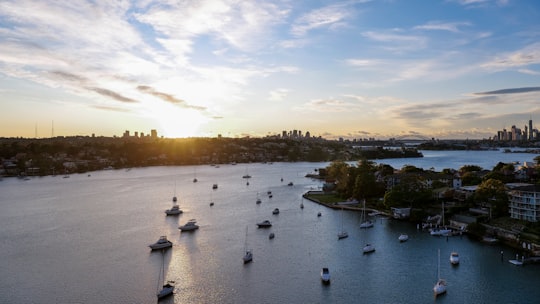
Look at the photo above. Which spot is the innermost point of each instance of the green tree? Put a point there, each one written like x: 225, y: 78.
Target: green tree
x: 411, y: 191
x: 339, y: 171
x: 365, y: 185
x: 492, y: 193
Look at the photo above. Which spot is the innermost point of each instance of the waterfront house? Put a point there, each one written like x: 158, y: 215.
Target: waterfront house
x: 525, y: 203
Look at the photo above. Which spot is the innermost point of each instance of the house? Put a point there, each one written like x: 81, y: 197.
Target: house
x: 525, y: 203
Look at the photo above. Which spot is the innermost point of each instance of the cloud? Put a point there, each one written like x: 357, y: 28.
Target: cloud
x: 529, y: 55
x: 278, y: 94
x: 331, y: 16
x: 109, y: 108
x: 111, y: 94
x: 442, y: 26
x: 510, y: 91
x: 168, y: 98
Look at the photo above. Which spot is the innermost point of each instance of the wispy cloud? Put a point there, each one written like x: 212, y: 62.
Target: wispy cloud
x: 111, y: 94
x: 278, y: 94
x: 168, y: 97
x: 529, y: 55
x: 443, y: 26
x: 510, y: 91
x: 331, y: 16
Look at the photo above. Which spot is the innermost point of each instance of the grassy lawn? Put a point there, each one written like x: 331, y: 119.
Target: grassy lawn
x: 328, y: 199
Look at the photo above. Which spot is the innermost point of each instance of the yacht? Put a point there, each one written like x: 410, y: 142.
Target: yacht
x: 454, y: 258
x: 325, y: 275
x: 440, y: 232
x: 264, y: 224
x: 189, y: 226
x: 440, y: 286
x: 248, y: 257
x: 167, y: 290
x: 368, y: 248
x: 175, y: 210
x: 342, y: 235
x: 403, y: 237
x: 366, y: 224
x: 162, y: 243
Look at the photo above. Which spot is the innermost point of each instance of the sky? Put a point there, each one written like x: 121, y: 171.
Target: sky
x: 449, y: 69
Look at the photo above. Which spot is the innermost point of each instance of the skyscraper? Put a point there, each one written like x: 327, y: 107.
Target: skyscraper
x: 530, y: 130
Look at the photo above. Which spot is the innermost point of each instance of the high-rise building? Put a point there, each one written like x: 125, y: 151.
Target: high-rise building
x: 530, y: 130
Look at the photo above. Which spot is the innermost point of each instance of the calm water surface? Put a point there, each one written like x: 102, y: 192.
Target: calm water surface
x: 84, y: 239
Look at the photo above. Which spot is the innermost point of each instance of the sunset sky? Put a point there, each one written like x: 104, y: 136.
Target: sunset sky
x: 352, y: 69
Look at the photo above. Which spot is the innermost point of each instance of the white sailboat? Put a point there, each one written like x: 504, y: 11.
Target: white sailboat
x: 365, y: 223
x: 441, y: 231
x: 167, y: 289
x: 440, y: 286
x: 342, y: 233
x: 248, y: 254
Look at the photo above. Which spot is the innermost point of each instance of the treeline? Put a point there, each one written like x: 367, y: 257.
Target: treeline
x: 82, y: 154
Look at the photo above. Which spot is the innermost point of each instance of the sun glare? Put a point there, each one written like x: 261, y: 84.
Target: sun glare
x: 177, y: 122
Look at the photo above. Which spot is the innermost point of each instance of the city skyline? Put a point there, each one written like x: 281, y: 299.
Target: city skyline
x: 450, y: 69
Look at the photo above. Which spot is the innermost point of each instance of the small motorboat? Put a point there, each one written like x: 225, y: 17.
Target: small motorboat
x: 175, y: 210
x: 290, y: 184
x: 264, y: 224
x: 214, y: 186
x: 368, y: 248
x: 319, y: 214
x: 167, y: 290
x: 403, y: 237
x: 189, y: 226
x: 271, y: 235
x: 248, y: 257
x: 276, y: 211
x: 211, y: 204
x: 162, y: 243
x: 325, y: 275
x: 454, y: 258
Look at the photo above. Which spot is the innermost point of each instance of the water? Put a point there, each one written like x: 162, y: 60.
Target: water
x: 84, y: 239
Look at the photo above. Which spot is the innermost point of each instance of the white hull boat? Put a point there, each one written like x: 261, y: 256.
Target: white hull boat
x: 368, y: 248
x: 403, y: 238
x: 325, y: 276
x: 454, y: 258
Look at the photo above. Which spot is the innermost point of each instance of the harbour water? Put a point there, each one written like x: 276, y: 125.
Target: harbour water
x: 84, y: 239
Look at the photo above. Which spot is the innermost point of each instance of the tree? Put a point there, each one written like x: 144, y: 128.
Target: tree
x: 365, y: 185
x: 492, y: 193
x: 411, y: 190
x: 339, y: 171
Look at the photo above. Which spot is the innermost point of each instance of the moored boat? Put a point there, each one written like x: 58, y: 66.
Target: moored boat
x: 175, y: 210
x: 162, y: 243
x: 403, y: 237
x: 454, y: 258
x: 189, y: 226
x: 369, y: 248
x: 325, y: 275
x: 264, y: 224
